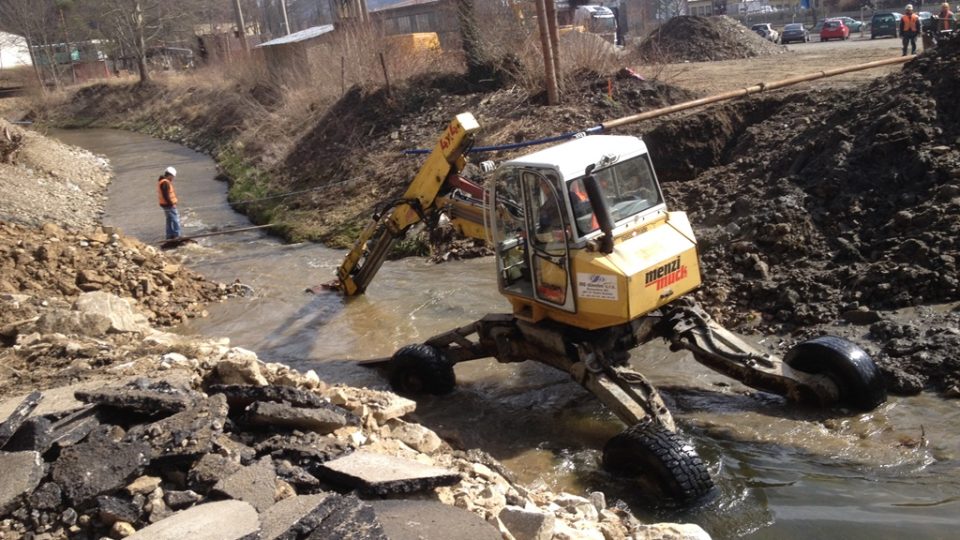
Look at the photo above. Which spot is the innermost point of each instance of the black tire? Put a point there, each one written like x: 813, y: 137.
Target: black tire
x: 421, y: 369
x: 661, y: 460
x: 856, y: 375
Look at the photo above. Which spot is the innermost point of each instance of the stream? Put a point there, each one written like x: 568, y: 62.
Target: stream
x: 783, y: 473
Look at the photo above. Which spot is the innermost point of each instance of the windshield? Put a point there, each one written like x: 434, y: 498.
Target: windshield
x: 793, y: 27
x: 603, y: 24
x: 629, y: 188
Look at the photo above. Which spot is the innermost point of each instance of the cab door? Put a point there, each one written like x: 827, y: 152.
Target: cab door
x: 548, y: 228
x: 530, y: 232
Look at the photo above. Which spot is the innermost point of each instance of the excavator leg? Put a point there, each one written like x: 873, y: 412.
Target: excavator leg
x: 824, y: 371
x: 650, y: 450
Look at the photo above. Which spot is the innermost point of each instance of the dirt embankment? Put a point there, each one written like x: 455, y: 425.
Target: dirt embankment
x: 827, y: 205
x: 349, y: 152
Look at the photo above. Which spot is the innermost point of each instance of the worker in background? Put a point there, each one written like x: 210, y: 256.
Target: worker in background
x: 909, y: 28
x: 945, y: 19
x: 167, y: 196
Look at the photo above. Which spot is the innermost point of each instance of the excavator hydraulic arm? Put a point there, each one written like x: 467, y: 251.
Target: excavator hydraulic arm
x: 420, y: 200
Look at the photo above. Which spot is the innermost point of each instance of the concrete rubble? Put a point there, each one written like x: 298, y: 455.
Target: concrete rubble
x: 134, y: 432
x: 159, y: 473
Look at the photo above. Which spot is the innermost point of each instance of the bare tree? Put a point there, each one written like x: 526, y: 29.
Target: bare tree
x: 37, y: 22
x: 136, y: 25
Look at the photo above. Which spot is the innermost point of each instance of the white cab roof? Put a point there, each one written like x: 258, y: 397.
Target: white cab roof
x: 571, y: 158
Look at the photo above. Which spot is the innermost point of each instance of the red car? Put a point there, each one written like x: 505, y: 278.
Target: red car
x: 834, y: 29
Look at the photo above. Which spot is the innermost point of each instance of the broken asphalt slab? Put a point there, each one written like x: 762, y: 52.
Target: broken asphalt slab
x: 320, y: 517
x: 371, y: 473
x: 187, y: 433
x: 19, y: 415
x: 323, y: 421
x: 430, y: 520
x: 242, y: 395
x: 255, y: 484
x: 223, y: 520
x: 22, y: 472
x: 158, y: 398
x: 284, y: 518
x: 99, y: 465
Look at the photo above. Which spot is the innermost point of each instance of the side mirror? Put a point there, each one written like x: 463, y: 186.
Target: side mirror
x: 598, y: 203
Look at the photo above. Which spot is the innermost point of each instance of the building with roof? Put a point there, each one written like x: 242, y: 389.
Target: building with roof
x: 289, y: 58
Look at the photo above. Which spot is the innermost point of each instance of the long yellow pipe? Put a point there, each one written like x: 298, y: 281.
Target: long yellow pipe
x: 757, y: 88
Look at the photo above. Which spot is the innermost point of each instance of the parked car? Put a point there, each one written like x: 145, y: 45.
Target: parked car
x: 885, y: 23
x: 794, y: 32
x: 766, y: 31
x: 926, y: 19
x: 834, y: 29
x: 853, y: 24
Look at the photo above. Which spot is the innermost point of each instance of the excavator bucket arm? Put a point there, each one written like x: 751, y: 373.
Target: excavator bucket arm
x: 420, y: 200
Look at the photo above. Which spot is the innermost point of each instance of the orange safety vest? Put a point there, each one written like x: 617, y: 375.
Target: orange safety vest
x: 910, y: 23
x: 578, y: 191
x: 171, y: 192
x: 945, y: 20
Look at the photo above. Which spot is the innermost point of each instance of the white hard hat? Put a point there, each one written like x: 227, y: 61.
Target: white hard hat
x: 171, y: 171
x: 909, y: 7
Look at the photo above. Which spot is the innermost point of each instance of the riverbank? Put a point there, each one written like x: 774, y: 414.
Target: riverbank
x: 134, y: 426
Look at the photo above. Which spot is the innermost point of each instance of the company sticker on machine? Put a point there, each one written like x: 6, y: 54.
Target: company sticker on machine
x: 599, y: 286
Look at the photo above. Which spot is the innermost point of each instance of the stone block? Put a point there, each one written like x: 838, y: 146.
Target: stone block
x: 118, y: 310
x: 113, y: 509
x: 303, y: 447
x: 210, y: 470
x: 240, y: 367
x: 528, y: 524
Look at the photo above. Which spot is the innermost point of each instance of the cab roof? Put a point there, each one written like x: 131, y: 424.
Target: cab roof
x: 572, y: 158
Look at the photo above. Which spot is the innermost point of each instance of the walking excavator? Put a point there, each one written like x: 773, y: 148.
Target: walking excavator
x: 594, y: 265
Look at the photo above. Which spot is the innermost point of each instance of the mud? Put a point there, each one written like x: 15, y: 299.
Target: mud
x: 703, y: 39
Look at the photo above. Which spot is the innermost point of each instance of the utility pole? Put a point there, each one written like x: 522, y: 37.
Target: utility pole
x: 286, y: 21
x: 241, y: 28
x: 551, y: 14
x: 553, y: 93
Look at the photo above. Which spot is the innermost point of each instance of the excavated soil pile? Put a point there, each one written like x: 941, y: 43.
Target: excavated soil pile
x: 704, y: 39
x: 828, y: 204
x: 66, y: 264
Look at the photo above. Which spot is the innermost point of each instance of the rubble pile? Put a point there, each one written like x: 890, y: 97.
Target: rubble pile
x: 704, y: 39
x: 215, y: 444
x: 65, y: 264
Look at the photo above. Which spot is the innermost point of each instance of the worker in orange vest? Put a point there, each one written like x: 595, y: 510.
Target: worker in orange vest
x: 581, y: 206
x: 909, y: 28
x: 167, y: 196
x: 945, y: 19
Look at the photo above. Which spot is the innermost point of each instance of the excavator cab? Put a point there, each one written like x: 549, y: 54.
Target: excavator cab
x: 555, y: 261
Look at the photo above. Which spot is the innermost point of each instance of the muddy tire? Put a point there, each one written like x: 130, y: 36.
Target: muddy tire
x: 421, y: 369
x: 856, y: 375
x: 659, y: 460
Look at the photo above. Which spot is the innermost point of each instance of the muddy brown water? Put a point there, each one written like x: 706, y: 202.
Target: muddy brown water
x: 782, y: 473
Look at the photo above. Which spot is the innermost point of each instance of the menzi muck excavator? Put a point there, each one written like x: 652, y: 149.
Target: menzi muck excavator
x: 594, y: 265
